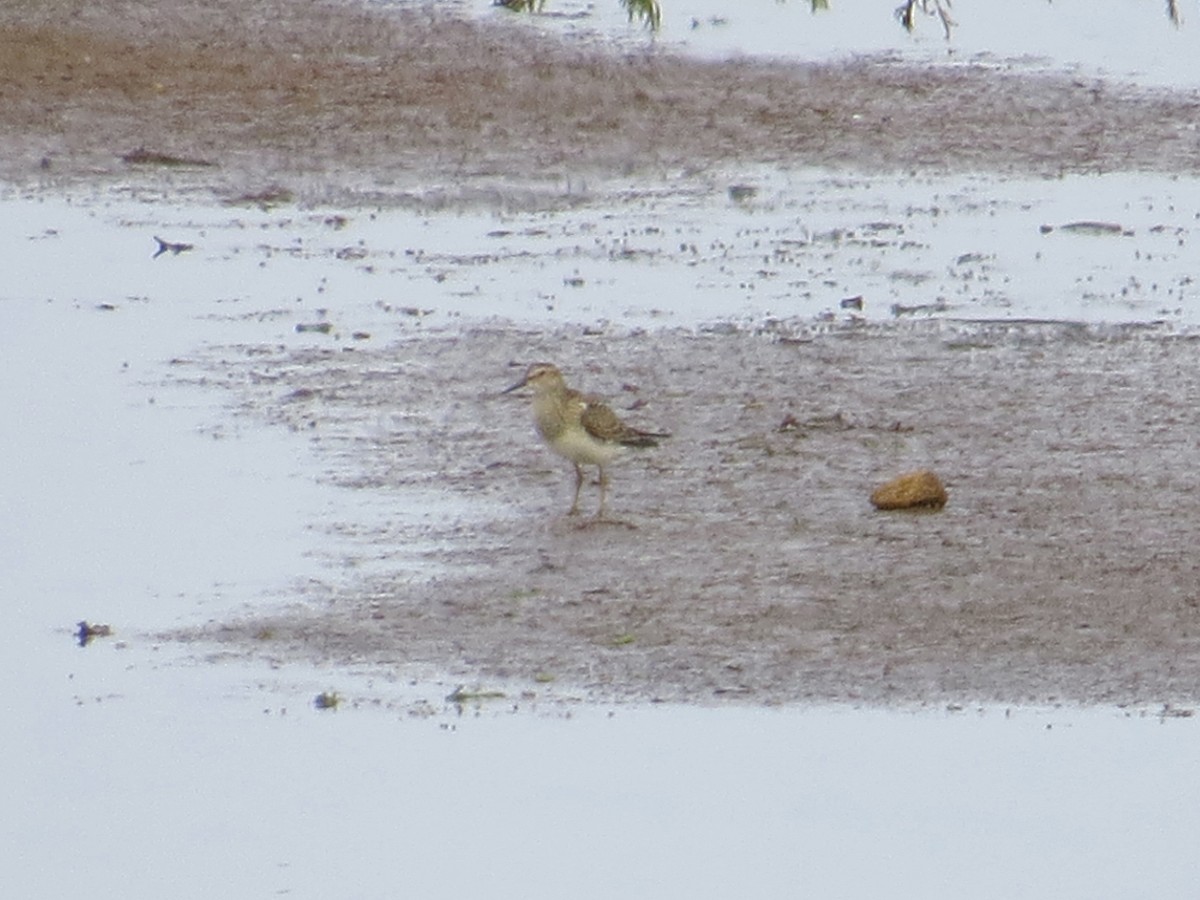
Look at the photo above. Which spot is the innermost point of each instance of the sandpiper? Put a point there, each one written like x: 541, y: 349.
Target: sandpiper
x: 579, y: 428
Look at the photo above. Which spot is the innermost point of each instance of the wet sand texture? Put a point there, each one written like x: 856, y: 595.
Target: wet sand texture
x: 293, y: 97
x: 1063, y: 569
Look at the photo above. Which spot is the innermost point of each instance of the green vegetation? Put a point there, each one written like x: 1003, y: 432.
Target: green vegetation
x: 461, y: 695
x: 906, y: 13
x: 649, y: 12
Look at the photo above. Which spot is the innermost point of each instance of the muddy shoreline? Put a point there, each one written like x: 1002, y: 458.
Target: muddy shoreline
x: 320, y: 103
x: 750, y: 567
x: 747, y: 564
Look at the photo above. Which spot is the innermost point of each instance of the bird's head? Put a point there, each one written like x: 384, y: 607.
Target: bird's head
x: 539, y: 376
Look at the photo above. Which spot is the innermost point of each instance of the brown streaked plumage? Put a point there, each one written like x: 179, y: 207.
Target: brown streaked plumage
x: 578, y: 427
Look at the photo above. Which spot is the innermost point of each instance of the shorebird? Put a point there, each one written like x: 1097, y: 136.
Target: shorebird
x: 579, y: 428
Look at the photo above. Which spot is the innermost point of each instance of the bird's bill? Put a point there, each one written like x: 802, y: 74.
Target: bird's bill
x: 514, y: 387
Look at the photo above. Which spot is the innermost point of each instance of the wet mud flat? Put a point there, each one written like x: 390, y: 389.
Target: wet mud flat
x: 746, y: 562
x: 280, y: 100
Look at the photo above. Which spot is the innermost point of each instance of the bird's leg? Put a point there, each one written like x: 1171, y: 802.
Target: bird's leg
x: 574, y: 511
x: 603, y: 491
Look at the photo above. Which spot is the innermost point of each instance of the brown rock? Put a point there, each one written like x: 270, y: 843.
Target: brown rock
x: 913, y: 490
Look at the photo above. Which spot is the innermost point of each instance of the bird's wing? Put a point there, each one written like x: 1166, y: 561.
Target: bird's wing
x: 602, y: 423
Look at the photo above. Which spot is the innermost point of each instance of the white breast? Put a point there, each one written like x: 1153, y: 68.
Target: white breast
x: 580, y: 447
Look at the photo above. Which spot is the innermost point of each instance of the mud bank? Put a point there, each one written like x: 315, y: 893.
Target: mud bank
x: 282, y: 100
x: 747, y: 562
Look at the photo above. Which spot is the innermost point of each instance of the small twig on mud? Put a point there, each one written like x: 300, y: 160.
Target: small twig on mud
x: 174, y: 248
x: 85, y: 631
x: 143, y: 157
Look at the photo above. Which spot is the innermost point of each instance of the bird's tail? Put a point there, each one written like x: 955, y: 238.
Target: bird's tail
x: 635, y: 438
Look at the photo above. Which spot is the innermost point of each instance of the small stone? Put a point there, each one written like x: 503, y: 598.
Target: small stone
x: 914, y: 490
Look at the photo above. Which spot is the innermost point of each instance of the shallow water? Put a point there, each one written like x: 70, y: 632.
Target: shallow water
x: 132, y: 498
x: 150, y: 780
x: 667, y: 254
x: 1116, y: 39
